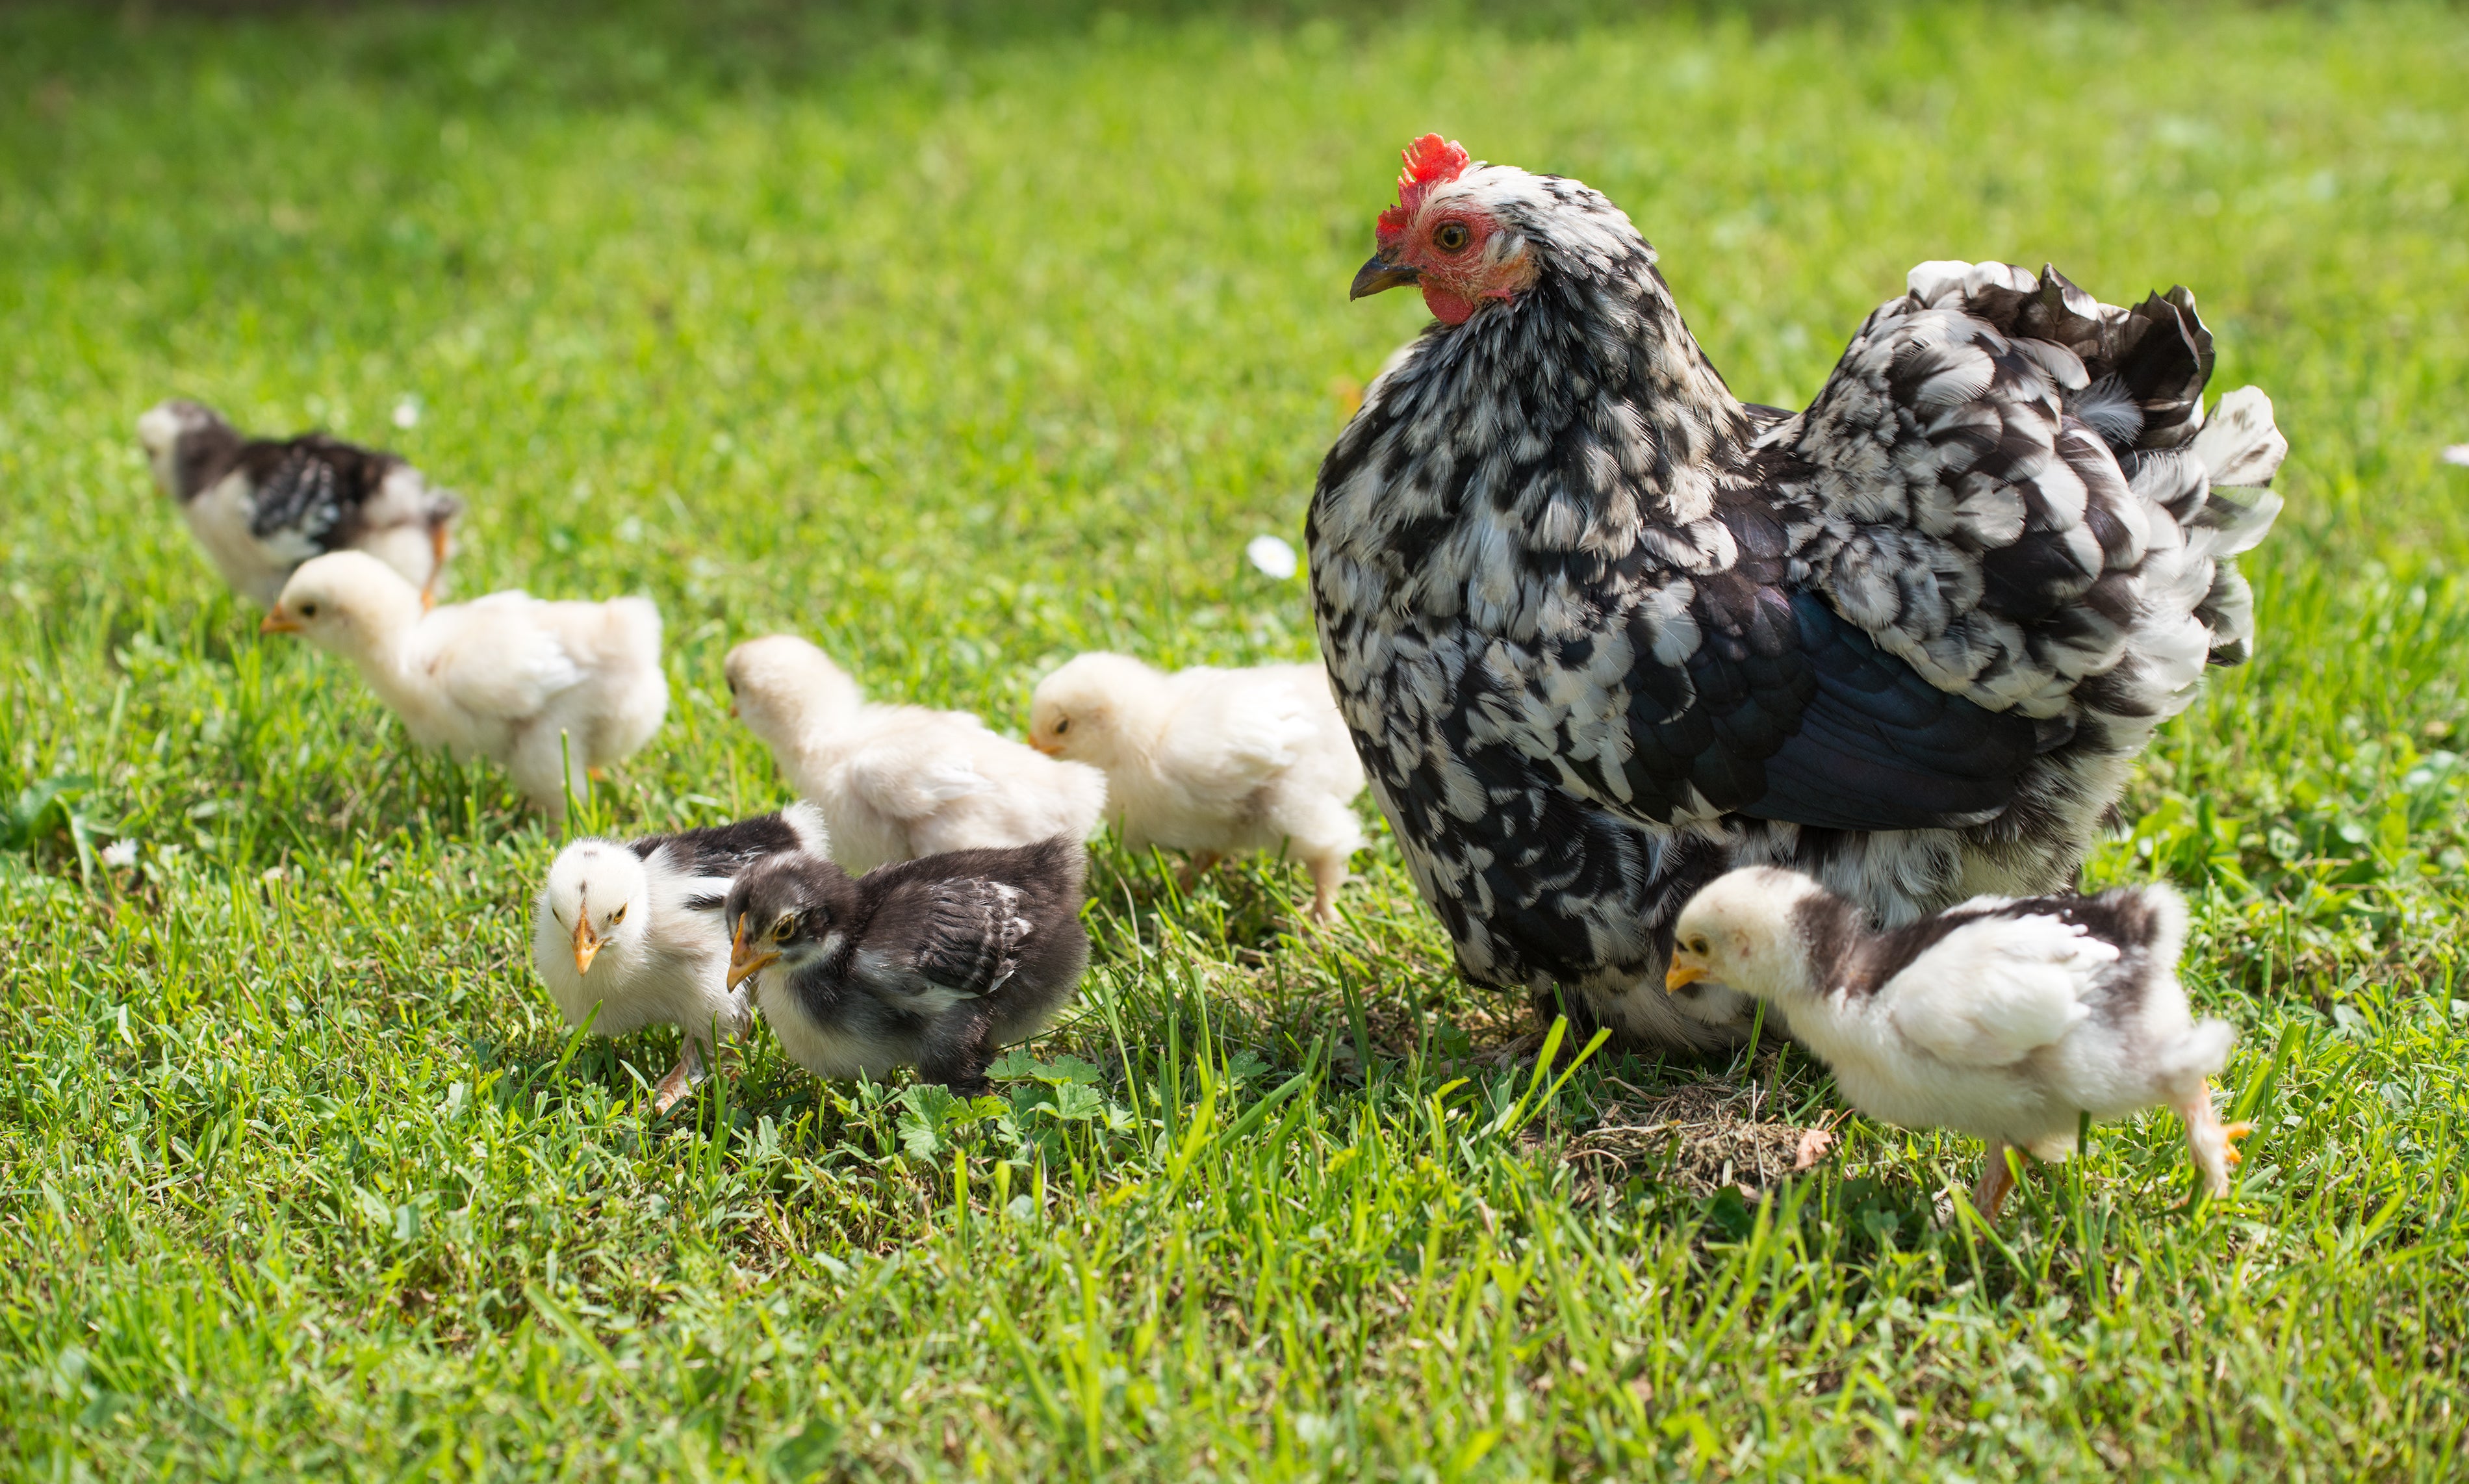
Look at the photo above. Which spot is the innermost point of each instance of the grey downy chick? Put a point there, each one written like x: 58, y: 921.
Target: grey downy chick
x: 937, y: 963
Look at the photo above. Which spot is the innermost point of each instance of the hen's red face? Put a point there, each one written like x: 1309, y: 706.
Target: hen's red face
x: 1443, y: 239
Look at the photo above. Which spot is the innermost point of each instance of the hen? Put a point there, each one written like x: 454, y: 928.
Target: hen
x: 1602, y: 631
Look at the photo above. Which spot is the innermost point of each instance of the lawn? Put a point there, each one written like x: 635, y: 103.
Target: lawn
x: 961, y: 348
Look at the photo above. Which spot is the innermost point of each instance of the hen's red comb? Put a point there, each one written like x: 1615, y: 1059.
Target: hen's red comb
x: 1430, y: 161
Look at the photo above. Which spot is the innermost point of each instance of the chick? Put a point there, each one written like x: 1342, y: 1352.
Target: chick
x: 505, y: 677
x: 896, y: 782
x: 633, y: 931
x: 2000, y: 1018
x: 262, y: 507
x: 936, y: 962
x: 1212, y: 761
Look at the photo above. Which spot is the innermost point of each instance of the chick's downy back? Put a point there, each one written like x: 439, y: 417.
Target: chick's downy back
x: 896, y: 782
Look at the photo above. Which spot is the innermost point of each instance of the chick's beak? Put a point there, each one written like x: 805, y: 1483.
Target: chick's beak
x: 1381, y: 273
x: 1045, y: 747
x: 1684, y: 970
x: 587, y: 944
x: 277, y: 621
x: 744, y: 961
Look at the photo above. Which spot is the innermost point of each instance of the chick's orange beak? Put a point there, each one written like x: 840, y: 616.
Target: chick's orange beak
x: 278, y: 621
x: 1684, y: 970
x: 587, y: 944
x: 744, y: 961
x: 1043, y: 745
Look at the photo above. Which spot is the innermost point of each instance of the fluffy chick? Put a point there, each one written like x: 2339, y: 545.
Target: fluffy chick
x: 504, y: 677
x: 896, y: 782
x: 2000, y: 1018
x: 936, y: 962
x: 633, y: 931
x: 1212, y: 761
x: 262, y: 507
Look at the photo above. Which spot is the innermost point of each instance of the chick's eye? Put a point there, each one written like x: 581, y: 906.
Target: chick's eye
x: 1697, y: 946
x: 617, y: 917
x: 784, y: 925
x: 1062, y: 725
x: 1451, y: 236
x: 308, y: 610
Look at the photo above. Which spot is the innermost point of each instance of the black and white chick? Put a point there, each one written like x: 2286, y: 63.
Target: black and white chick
x: 937, y: 963
x: 2006, y: 1019
x: 633, y: 931
x: 262, y: 507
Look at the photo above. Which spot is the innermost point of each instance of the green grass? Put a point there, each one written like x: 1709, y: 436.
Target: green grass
x: 967, y: 347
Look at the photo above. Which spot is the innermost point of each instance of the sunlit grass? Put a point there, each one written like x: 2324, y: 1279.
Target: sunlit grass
x: 960, y: 351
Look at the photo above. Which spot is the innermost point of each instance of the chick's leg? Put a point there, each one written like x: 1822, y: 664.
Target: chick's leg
x: 1997, y: 1182
x: 675, y: 1086
x: 436, y: 566
x: 1327, y: 876
x: 2212, y: 1142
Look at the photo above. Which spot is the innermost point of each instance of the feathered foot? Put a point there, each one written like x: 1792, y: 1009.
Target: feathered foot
x: 2212, y: 1142
x: 1997, y: 1182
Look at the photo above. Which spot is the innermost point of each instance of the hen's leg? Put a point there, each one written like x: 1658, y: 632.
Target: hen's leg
x: 1997, y: 1182
x: 2212, y: 1140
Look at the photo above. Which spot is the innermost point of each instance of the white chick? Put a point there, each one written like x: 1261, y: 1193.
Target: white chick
x: 628, y: 935
x: 2000, y: 1018
x: 1212, y: 761
x: 504, y: 677
x: 896, y: 782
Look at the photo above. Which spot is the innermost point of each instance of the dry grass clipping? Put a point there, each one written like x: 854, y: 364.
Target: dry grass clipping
x: 1700, y: 1136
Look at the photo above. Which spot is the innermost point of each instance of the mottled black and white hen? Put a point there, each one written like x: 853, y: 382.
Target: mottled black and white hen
x: 262, y: 507
x: 1604, y: 632
x: 937, y: 963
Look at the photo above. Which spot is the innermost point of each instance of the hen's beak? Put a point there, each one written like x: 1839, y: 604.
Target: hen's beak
x: 277, y: 621
x: 1378, y: 274
x: 587, y: 944
x: 1684, y: 970
x: 744, y: 961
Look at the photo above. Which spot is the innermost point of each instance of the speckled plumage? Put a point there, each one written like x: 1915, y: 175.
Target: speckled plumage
x: 262, y: 507
x: 1602, y: 631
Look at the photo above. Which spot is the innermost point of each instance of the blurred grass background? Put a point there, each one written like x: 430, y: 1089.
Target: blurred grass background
x: 962, y: 338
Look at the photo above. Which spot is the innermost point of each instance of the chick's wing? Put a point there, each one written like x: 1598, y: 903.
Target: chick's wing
x: 1994, y: 990
x: 492, y: 660
x: 1229, y: 739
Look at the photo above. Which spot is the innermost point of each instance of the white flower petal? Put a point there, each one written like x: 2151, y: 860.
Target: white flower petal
x: 120, y: 855
x: 406, y: 413
x: 1272, y: 556
x: 2457, y: 453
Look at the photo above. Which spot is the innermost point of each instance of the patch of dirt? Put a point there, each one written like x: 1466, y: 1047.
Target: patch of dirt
x: 1700, y: 1136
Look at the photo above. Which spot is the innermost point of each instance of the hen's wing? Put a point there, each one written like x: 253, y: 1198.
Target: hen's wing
x: 1996, y: 989
x: 489, y: 659
x: 1886, y: 616
x: 959, y: 937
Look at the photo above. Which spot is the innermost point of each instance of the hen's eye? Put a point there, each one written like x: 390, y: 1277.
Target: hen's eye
x: 1452, y: 237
